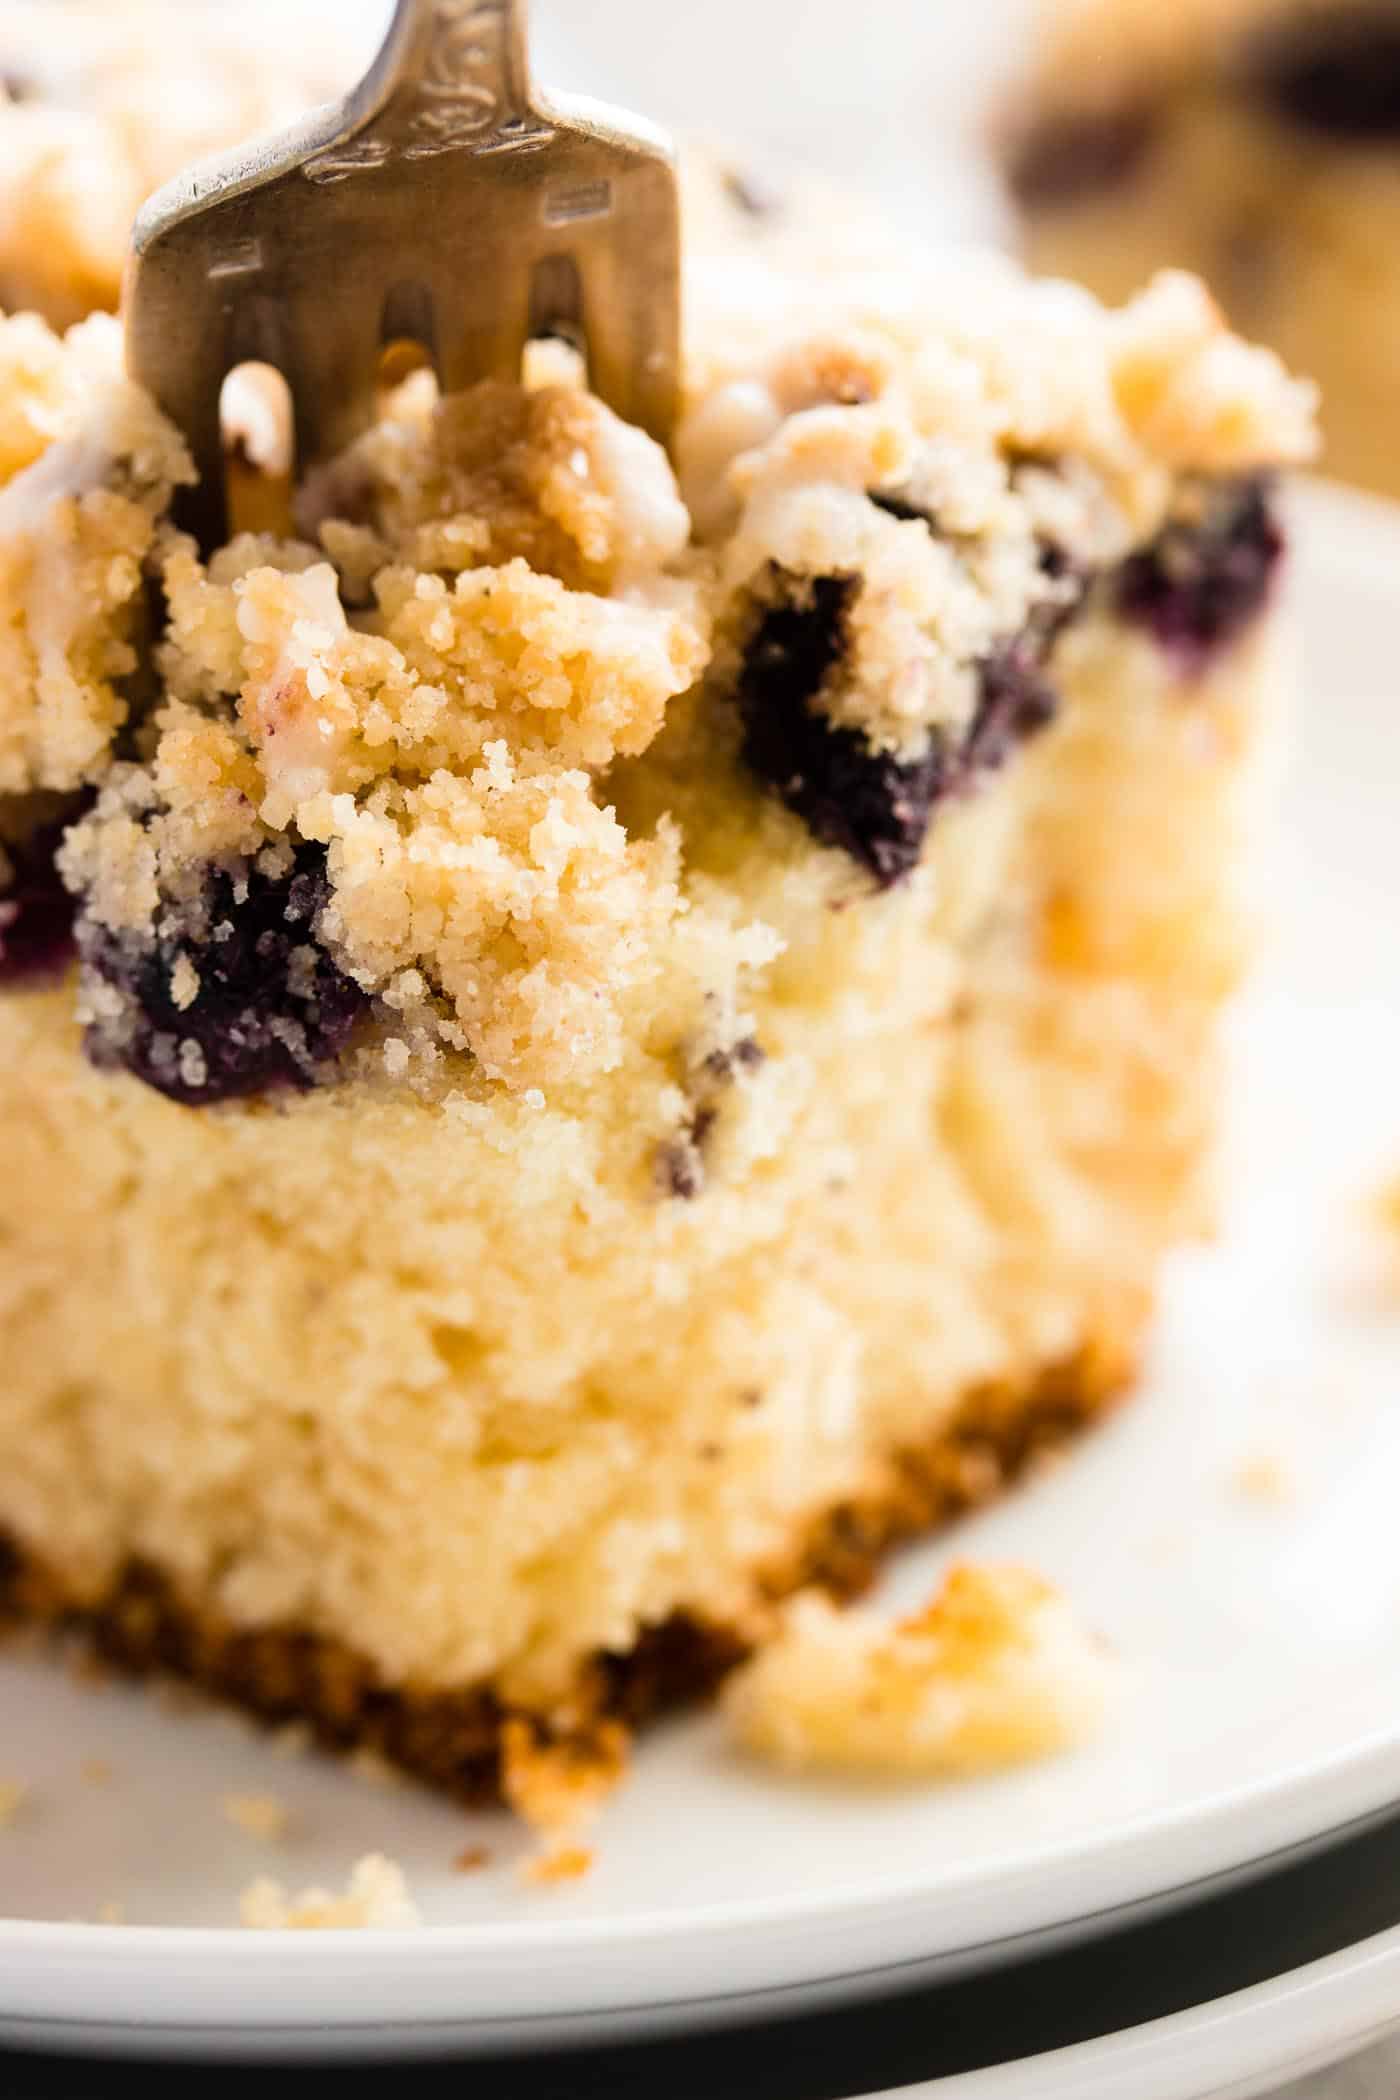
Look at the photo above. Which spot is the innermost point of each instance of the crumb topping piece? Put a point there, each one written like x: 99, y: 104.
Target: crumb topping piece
x: 262, y: 1816
x: 995, y: 1671
x: 88, y: 468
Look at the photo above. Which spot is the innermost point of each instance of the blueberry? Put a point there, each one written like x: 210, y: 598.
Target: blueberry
x: 270, y: 1004
x: 1202, y: 581
x: 36, y: 911
x: 849, y: 793
x: 1015, y: 702
x: 1337, y: 74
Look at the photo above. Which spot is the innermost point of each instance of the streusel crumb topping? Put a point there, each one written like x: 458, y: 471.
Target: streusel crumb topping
x: 394, y: 789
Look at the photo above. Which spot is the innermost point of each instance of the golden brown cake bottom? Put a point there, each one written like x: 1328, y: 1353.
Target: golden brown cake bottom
x: 453, y: 1740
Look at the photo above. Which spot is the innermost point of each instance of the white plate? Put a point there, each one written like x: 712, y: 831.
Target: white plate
x: 1261, y: 1644
x: 1221, y: 2001
x: 1231, y: 2049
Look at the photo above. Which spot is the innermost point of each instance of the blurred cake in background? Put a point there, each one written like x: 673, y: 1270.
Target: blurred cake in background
x: 102, y: 103
x: 1256, y: 142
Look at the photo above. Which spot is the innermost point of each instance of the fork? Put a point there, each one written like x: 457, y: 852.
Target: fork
x: 444, y: 202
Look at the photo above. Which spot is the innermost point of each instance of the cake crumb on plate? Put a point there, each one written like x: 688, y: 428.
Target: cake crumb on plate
x: 558, y: 1788
x: 376, y: 1895
x: 1266, y: 1479
x: 994, y: 1671
x: 259, y: 1815
x: 558, y: 1863
x: 13, y: 1795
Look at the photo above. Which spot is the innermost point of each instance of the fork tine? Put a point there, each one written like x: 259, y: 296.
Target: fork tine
x: 334, y: 384
x: 483, y: 339
x: 190, y: 397
x: 632, y: 364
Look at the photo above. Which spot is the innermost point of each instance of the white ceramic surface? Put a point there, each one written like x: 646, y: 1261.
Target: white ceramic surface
x: 1260, y: 1641
x: 1232, y: 2049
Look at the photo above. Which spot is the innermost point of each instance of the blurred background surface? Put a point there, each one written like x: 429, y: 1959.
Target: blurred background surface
x: 890, y: 94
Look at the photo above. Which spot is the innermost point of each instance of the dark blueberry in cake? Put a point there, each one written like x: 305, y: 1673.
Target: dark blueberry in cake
x: 846, y: 792
x: 1015, y: 702
x: 1068, y: 158
x: 269, y: 1005
x: 1206, y: 577
x: 744, y: 1056
x: 1337, y: 73
x: 680, y: 1162
x: 36, y: 911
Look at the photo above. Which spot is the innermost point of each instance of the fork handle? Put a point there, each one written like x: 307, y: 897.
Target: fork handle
x: 455, y: 69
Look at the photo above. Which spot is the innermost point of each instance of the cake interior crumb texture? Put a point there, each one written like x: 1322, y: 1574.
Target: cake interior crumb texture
x: 588, y: 1035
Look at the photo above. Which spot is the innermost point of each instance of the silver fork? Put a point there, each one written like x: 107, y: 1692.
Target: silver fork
x: 443, y: 201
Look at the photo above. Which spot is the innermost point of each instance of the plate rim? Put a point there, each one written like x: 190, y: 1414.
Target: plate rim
x: 1155, y: 2045
x: 831, y: 1905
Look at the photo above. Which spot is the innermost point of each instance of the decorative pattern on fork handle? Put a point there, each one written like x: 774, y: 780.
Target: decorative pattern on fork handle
x: 470, y: 92
x: 444, y: 200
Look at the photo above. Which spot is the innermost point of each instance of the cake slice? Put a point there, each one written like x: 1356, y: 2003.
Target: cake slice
x: 634, y: 1028
x: 1256, y: 142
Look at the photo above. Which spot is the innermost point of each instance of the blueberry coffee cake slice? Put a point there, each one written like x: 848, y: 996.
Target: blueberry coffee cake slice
x: 1256, y: 142
x: 592, y: 1036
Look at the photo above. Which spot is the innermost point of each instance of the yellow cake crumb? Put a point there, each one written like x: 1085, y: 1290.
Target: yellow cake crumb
x: 111, y: 1912
x: 260, y: 1815
x: 14, y: 1793
x: 95, y: 1771
x: 373, y: 1768
x: 376, y: 1896
x: 995, y: 1671
x: 1267, y: 1479
x: 558, y: 1788
x: 558, y: 1863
